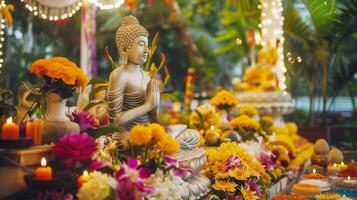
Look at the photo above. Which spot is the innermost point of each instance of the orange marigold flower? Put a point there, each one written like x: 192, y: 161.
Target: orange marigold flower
x: 158, y: 131
x: 168, y: 145
x: 140, y: 135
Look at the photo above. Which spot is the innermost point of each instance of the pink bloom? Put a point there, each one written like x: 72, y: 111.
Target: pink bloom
x: 85, y: 120
x: 267, y: 161
x: 130, y: 181
x: 73, y: 149
x: 232, y: 162
x: 253, y: 186
x: 180, y: 172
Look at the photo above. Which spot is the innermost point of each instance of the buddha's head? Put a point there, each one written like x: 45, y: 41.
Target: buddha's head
x: 132, y: 41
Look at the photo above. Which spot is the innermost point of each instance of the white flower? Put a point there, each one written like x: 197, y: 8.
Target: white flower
x: 169, y: 188
x: 97, y: 188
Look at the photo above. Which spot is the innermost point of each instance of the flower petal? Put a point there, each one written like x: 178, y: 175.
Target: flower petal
x: 133, y: 163
x: 144, y: 172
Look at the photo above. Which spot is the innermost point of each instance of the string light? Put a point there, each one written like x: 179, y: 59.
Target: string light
x: 238, y: 41
x: 2, y: 35
x: 107, y: 4
x: 272, y: 34
x: 52, y: 13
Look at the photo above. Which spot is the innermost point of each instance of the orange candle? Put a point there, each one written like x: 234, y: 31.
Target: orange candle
x: 44, y: 173
x: 30, y: 129
x: 83, y: 179
x: 37, y: 137
x: 10, y: 130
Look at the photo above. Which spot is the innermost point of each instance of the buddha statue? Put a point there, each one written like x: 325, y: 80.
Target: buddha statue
x: 132, y: 96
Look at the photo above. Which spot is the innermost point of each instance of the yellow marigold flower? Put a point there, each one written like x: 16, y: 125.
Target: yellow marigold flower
x: 269, y: 120
x: 226, y: 186
x: 168, y: 145
x: 247, y: 194
x: 158, y: 131
x: 140, y: 135
x: 248, y: 110
x: 245, y: 122
x: 224, y: 99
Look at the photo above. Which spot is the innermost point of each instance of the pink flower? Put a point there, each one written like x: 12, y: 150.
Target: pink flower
x: 130, y: 181
x: 85, y: 120
x: 177, y: 171
x: 232, y: 162
x: 253, y: 186
x: 267, y: 161
x: 73, y: 149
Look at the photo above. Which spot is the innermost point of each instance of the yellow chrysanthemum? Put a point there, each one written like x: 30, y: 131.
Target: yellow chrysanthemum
x: 245, y: 122
x: 247, y: 194
x: 226, y: 186
x: 240, y: 174
x: 168, y: 145
x: 269, y: 120
x: 140, y: 135
x: 224, y: 99
x: 248, y: 110
x: 158, y: 131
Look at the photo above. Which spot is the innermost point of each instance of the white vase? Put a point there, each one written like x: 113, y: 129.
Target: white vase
x: 56, y: 108
x: 56, y: 123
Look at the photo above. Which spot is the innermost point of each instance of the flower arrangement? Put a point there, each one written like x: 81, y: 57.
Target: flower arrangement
x: 248, y: 110
x: 266, y: 122
x: 224, y: 100
x: 61, y: 75
x: 149, y: 174
x: 234, y: 172
x: 248, y: 128
x: 85, y: 120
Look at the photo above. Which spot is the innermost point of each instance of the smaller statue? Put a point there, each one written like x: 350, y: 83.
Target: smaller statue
x: 23, y: 104
x: 260, y: 77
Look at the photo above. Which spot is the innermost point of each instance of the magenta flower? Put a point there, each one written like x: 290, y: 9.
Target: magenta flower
x: 253, y: 186
x: 232, y: 162
x: 85, y: 120
x: 267, y: 161
x: 180, y: 172
x: 130, y: 181
x: 73, y: 149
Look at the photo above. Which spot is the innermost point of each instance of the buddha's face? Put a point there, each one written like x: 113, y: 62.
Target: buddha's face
x: 138, y: 52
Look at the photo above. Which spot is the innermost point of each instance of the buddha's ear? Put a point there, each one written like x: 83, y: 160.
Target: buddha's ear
x: 124, y: 49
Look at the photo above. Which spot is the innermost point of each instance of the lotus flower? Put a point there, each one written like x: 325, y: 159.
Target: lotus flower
x: 130, y: 181
x: 73, y: 148
x: 85, y: 120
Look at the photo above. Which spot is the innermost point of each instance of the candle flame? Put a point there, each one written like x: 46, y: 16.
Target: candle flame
x: 349, y: 178
x: 212, y: 127
x: 85, y: 173
x: 43, y: 162
x: 314, y: 171
x: 9, y: 120
x: 342, y: 163
x: 334, y: 165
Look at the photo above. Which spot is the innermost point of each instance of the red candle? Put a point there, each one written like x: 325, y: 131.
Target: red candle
x: 83, y: 179
x: 10, y: 130
x: 44, y: 173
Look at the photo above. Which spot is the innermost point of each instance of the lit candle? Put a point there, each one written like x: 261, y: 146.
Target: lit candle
x: 30, y: 129
x: 83, y: 179
x: 332, y: 170
x: 314, y: 171
x: 349, y: 180
x: 10, y: 130
x: 44, y: 173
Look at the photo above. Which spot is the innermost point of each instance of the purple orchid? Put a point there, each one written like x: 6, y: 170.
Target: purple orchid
x: 253, y: 186
x: 130, y: 181
x: 85, y: 120
x: 180, y: 172
x: 232, y: 162
x: 230, y: 196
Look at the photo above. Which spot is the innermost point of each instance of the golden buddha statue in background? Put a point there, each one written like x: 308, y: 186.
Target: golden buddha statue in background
x: 260, y: 77
x: 132, y: 96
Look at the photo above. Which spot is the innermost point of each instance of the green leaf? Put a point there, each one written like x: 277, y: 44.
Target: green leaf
x: 169, y: 96
x: 105, y: 130
x: 92, y: 104
x: 96, y: 90
x: 97, y: 80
